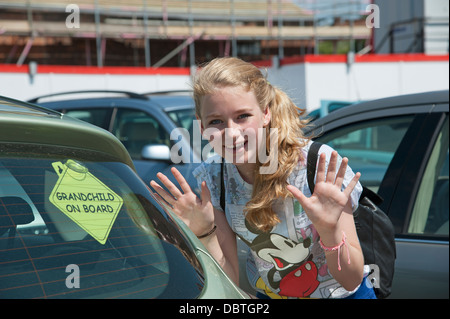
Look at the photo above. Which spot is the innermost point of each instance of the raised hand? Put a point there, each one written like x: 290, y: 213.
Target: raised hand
x: 327, y: 203
x: 197, y: 213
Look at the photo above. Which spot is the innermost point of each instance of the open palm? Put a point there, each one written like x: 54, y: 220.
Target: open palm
x: 326, y: 204
x: 197, y: 213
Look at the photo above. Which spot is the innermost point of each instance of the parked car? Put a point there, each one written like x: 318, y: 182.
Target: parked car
x: 149, y: 125
x: 77, y: 222
x: 400, y: 145
x: 326, y: 107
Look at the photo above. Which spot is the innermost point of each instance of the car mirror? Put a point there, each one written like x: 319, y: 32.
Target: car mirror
x: 156, y: 152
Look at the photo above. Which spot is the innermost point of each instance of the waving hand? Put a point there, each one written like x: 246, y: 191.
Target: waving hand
x: 327, y: 203
x: 197, y: 213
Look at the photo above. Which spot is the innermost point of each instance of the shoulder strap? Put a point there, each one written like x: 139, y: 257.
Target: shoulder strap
x: 311, y: 163
x: 222, y: 186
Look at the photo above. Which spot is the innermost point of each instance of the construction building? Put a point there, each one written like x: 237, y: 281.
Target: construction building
x: 176, y: 33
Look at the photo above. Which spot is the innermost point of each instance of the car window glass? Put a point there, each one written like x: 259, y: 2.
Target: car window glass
x: 99, y: 117
x: 430, y: 212
x: 136, y: 129
x: 77, y: 229
x: 185, y: 118
x: 369, y: 146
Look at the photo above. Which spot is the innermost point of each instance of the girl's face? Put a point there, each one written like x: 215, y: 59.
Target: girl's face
x: 233, y: 122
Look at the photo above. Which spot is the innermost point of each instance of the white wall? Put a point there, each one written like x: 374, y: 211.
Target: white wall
x: 292, y: 80
x: 307, y: 83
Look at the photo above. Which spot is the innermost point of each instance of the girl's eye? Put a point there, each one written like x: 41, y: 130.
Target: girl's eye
x: 214, y: 122
x: 242, y: 116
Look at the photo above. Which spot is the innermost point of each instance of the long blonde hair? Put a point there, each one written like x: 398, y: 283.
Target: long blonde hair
x: 285, y: 116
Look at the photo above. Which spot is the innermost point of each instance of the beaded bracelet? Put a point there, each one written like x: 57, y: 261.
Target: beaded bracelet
x: 208, y: 233
x: 338, y: 248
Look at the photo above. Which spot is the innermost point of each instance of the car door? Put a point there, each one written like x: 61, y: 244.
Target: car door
x: 416, y: 197
x: 392, y: 151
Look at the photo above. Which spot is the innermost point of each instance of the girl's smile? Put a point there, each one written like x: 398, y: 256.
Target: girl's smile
x: 238, y: 147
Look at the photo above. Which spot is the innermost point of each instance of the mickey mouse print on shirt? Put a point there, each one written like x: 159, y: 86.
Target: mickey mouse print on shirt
x: 292, y: 273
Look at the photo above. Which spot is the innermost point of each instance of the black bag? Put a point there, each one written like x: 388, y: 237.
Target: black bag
x: 375, y: 232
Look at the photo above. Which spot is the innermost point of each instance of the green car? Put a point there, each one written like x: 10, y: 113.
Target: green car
x: 77, y: 222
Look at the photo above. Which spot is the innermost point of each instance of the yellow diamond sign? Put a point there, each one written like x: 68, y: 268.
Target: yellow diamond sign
x: 85, y: 199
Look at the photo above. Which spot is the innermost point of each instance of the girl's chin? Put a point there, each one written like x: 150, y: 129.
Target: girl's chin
x: 240, y: 159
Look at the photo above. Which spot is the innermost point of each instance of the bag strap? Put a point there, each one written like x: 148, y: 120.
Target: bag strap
x: 222, y: 186
x: 311, y: 163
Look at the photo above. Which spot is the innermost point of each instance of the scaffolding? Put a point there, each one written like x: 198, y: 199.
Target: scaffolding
x: 161, y: 32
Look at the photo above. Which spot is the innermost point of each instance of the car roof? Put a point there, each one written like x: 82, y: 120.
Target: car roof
x: 22, y: 122
x: 173, y: 102
x: 387, y: 105
x: 164, y: 100
x: 85, y: 93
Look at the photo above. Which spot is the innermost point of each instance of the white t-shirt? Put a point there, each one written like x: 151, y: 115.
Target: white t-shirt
x: 288, y: 261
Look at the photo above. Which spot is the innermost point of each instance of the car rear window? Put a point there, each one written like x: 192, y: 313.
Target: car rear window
x: 77, y: 225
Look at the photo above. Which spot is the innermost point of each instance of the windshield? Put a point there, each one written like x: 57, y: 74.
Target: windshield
x: 87, y: 227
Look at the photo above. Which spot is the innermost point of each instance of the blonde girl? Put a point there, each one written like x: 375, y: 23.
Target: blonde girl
x: 301, y: 244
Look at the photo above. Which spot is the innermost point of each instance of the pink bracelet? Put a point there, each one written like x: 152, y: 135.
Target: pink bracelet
x: 338, y: 248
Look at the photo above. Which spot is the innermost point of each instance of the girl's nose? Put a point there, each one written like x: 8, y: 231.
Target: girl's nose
x: 232, y: 130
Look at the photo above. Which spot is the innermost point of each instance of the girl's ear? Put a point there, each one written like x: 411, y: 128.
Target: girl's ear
x: 267, y: 116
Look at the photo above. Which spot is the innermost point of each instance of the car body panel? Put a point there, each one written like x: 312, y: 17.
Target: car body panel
x: 409, y: 270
